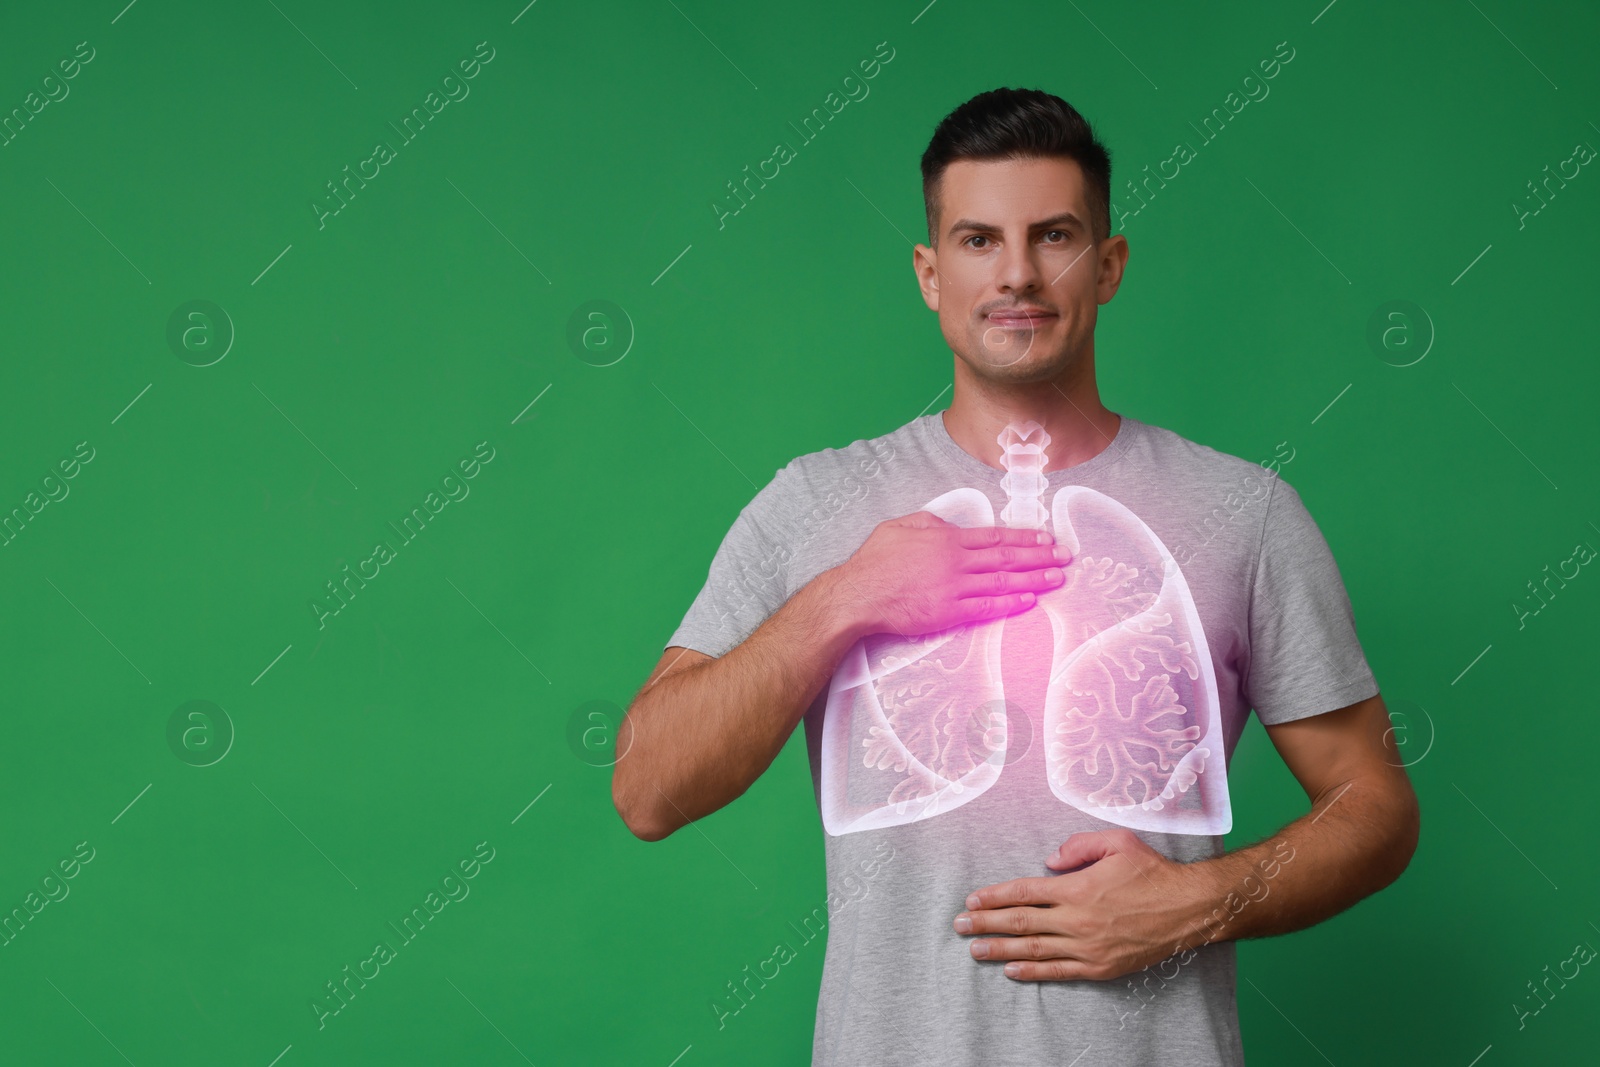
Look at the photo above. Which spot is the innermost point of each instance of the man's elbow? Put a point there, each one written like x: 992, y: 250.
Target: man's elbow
x: 1406, y: 819
x: 641, y: 822
x: 648, y: 831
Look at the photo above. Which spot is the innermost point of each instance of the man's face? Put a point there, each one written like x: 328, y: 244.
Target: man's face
x: 1017, y: 279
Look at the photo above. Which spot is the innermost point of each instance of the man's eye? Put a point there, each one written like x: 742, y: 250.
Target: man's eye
x: 975, y: 237
x: 1065, y: 237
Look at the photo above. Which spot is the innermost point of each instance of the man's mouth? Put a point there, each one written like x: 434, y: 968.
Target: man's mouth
x: 1017, y: 318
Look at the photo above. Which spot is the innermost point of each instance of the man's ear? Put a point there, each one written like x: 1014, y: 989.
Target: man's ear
x: 925, y: 262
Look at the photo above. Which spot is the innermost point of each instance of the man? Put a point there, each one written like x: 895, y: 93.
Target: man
x: 1019, y: 727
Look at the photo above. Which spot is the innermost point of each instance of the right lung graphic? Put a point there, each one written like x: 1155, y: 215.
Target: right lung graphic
x: 915, y: 725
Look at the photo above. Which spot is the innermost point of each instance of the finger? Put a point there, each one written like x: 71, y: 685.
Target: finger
x: 999, y: 583
x: 1014, y: 558
x: 980, y: 608
x: 1017, y: 892
x: 920, y: 519
x: 1031, y: 947
x: 1059, y: 970
x: 991, y: 536
x: 1004, y: 921
x: 1082, y: 848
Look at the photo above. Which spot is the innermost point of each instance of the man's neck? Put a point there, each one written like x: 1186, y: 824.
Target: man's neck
x: 1080, y: 427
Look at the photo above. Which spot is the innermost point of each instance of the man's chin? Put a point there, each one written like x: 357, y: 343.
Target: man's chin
x: 1022, y: 363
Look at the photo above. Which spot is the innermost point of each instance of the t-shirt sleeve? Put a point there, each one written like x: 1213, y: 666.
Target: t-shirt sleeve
x: 1305, y: 658
x: 749, y: 576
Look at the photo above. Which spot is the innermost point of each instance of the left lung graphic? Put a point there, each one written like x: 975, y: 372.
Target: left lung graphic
x: 915, y: 725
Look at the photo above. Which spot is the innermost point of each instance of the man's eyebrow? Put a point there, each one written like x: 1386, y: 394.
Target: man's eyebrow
x: 1065, y: 218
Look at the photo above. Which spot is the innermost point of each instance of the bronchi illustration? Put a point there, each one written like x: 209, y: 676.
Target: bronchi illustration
x: 916, y: 726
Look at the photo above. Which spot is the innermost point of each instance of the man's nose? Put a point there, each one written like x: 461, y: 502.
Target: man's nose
x: 1019, y: 269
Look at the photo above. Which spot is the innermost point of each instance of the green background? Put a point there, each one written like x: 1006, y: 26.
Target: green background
x: 443, y: 706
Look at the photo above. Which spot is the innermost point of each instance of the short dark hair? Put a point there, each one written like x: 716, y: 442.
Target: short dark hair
x: 1018, y: 124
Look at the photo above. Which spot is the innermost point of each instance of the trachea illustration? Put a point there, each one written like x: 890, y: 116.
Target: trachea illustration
x: 1024, y: 460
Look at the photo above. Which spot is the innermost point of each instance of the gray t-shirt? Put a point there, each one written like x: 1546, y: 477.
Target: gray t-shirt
x: 1201, y: 588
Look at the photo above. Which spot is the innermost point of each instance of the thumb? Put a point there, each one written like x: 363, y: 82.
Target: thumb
x: 920, y: 520
x: 1080, y: 850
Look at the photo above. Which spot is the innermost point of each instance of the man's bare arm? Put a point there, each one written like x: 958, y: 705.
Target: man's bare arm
x: 1120, y: 905
x: 1359, y: 836
x: 703, y: 730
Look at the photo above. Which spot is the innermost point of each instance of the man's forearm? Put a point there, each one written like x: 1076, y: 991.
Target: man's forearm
x: 695, y: 739
x: 1355, y: 841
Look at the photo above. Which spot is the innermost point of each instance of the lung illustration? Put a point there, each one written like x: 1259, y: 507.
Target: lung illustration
x: 915, y: 724
x: 1132, y: 723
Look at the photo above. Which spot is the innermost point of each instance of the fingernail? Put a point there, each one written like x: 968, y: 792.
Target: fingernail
x: 1053, y: 574
x: 1042, y: 538
x: 963, y: 925
x: 973, y: 902
x: 1013, y: 969
x: 980, y: 949
x: 1062, y: 553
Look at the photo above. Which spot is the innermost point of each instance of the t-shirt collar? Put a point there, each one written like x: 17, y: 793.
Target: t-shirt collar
x: 936, y: 436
